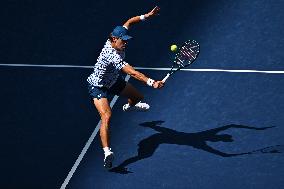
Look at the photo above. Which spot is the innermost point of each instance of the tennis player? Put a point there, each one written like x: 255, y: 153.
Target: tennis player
x: 106, y: 80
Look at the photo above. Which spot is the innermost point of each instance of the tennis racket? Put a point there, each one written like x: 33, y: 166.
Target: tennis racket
x: 185, y: 56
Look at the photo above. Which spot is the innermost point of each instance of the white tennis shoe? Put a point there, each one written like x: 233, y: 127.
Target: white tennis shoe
x: 140, y: 106
x: 109, y: 156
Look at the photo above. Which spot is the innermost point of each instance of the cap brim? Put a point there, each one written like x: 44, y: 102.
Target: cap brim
x: 125, y: 37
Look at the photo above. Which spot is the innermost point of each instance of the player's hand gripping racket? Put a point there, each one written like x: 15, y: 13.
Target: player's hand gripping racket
x: 185, y: 56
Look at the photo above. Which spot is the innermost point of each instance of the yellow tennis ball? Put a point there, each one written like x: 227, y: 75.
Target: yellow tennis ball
x: 174, y: 48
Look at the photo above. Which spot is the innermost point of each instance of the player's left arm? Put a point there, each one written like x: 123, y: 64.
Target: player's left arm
x: 137, y: 19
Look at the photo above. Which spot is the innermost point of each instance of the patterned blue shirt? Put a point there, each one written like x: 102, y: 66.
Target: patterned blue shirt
x: 108, y: 66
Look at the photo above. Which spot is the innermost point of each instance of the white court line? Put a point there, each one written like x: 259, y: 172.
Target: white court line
x: 87, y: 145
x: 45, y: 66
x: 213, y: 70
x: 144, y: 68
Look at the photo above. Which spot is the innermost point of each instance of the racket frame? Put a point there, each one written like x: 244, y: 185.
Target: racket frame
x: 180, y: 66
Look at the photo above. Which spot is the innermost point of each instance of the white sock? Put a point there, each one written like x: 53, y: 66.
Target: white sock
x: 106, y: 149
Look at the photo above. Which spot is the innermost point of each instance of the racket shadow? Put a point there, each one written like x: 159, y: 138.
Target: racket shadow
x: 148, y: 146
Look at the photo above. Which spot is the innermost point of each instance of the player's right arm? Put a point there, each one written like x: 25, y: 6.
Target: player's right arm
x: 140, y: 76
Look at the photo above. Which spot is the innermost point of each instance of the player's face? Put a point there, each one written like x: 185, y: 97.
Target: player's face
x: 120, y: 44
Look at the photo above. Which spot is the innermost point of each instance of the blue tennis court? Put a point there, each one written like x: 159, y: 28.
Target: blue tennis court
x: 217, y: 124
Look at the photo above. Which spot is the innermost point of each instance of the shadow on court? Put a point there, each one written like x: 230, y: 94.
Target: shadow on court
x: 148, y: 146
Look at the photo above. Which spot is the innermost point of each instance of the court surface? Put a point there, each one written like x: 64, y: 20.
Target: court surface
x: 213, y: 128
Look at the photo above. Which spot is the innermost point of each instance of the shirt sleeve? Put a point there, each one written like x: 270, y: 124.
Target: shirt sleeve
x: 118, y: 62
x: 120, y: 65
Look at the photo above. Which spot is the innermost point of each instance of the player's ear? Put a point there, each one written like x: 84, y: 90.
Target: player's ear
x: 112, y: 38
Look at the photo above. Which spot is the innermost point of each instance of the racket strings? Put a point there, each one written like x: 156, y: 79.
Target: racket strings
x: 187, y: 53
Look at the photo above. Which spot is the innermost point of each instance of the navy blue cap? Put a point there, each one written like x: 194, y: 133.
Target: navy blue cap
x: 120, y: 32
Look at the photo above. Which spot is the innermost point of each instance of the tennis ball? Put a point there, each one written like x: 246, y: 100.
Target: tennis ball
x: 174, y: 48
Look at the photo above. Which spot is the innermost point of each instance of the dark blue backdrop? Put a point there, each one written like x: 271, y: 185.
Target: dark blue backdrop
x: 46, y: 115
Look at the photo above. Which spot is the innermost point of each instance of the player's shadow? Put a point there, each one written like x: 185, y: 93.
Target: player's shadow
x: 148, y: 146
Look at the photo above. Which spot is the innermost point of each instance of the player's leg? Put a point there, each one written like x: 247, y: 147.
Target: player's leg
x: 133, y: 95
x: 134, y: 98
x: 104, y: 110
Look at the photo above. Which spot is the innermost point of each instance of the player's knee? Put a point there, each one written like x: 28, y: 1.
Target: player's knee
x: 105, y: 117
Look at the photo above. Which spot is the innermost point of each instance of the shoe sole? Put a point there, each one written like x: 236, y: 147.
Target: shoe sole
x: 136, y: 110
x: 133, y: 108
x: 108, y: 161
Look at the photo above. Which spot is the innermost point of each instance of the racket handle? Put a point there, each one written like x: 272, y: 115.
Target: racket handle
x: 167, y: 76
